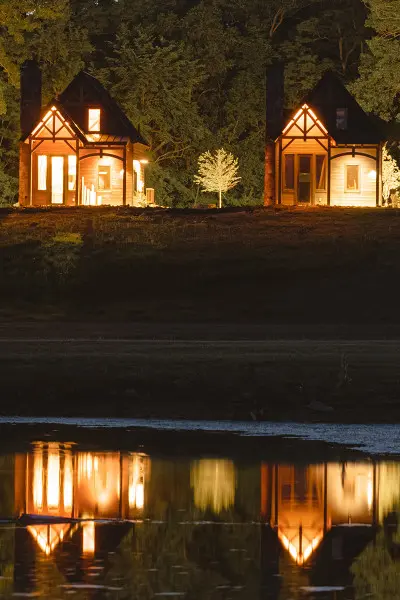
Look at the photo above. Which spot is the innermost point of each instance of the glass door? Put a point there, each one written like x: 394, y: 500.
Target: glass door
x: 57, y: 179
x: 304, y: 179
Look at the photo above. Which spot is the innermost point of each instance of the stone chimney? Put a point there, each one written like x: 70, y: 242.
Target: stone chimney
x: 31, y: 96
x: 274, y: 126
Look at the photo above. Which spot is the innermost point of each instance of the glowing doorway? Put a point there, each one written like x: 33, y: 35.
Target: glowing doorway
x: 57, y: 180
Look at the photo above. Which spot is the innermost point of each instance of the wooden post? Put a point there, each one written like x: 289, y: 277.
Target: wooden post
x: 269, y: 176
x: 30, y: 199
x: 328, y: 195
x: 378, y: 175
x: 77, y: 185
x: 124, y: 180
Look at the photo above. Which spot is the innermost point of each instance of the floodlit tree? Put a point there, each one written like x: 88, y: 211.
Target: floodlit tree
x: 390, y: 174
x: 217, y: 172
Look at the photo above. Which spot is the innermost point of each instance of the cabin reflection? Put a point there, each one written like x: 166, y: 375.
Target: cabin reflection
x: 302, y: 503
x: 53, y: 480
x: 214, y: 484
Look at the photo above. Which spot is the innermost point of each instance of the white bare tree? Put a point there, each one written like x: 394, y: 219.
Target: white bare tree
x: 217, y: 172
x: 390, y: 174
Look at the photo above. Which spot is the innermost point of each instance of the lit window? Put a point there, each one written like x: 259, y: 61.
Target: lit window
x: 288, y: 182
x: 352, y: 178
x: 94, y: 119
x: 320, y: 172
x: 341, y: 118
x: 71, y: 172
x: 104, y: 180
x: 42, y: 172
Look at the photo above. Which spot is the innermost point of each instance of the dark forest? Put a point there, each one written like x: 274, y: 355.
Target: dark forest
x: 191, y: 73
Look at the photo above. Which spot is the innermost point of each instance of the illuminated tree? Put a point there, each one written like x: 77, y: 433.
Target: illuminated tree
x: 217, y: 172
x: 390, y: 174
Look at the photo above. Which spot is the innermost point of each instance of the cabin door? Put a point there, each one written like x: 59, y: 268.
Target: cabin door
x: 304, y: 179
x: 57, y: 179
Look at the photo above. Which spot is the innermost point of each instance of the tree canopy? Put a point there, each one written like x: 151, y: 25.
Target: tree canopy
x: 191, y: 73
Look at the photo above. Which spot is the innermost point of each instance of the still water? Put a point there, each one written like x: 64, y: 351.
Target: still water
x: 140, y: 523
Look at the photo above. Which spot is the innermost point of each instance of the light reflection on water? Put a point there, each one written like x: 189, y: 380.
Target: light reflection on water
x: 140, y: 526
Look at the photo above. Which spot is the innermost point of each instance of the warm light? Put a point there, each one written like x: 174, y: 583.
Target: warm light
x: 38, y: 479
x: 214, y: 484
x: 136, y: 483
x: 139, y: 176
x: 94, y: 119
x: 88, y: 543
x: 372, y: 175
x: 53, y: 479
x: 42, y: 172
x: 68, y: 486
x: 57, y: 179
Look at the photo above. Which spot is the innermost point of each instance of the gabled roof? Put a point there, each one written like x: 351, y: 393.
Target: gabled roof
x: 85, y: 90
x: 330, y: 94
x: 59, y: 108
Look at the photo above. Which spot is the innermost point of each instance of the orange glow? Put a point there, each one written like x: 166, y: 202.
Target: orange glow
x: 136, y: 482
x: 305, y: 109
x: 68, y: 484
x: 48, y: 536
x: 38, y: 480
x: 293, y: 546
x: 53, y: 479
x: 88, y: 538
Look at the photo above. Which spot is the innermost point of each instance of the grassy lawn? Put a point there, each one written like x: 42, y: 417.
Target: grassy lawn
x: 265, y: 265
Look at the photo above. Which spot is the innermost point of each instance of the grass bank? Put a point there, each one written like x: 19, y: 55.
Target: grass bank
x: 331, y: 266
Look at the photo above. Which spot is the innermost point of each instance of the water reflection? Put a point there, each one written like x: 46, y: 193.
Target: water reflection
x: 137, y: 526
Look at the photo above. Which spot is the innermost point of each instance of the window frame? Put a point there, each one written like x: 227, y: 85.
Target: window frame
x: 344, y: 117
x: 71, y: 172
x: 346, y: 188
x: 324, y: 171
x: 40, y: 187
x: 104, y: 189
x: 284, y: 179
x: 98, y: 110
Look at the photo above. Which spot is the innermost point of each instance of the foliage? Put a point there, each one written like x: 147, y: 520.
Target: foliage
x: 390, y: 174
x: 206, y: 60
x: 217, y: 172
x: 376, y: 573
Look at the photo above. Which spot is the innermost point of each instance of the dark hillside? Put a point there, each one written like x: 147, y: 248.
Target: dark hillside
x: 331, y: 266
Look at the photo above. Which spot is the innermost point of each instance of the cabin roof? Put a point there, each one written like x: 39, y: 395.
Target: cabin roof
x: 84, y: 90
x: 331, y: 94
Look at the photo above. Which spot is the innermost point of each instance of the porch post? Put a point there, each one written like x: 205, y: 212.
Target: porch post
x: 279, y: 166
x: 124, y: 180
x: 328, y: 197
x: 78, y: 183
x: 30, y: 199
x: 378, y: 175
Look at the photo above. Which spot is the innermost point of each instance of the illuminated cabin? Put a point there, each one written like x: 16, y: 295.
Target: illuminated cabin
x: 81, y: 149
x: 328, y: 151
x: 305, y: 503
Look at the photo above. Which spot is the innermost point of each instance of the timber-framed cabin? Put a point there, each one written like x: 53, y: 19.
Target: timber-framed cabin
x: 328, y: 151
x: 80, y: 149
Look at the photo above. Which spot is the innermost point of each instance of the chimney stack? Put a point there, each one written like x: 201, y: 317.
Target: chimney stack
x: 274, y: 126
x: 31, y: 96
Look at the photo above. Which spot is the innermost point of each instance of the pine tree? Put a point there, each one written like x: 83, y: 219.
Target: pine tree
x: 217, y: 172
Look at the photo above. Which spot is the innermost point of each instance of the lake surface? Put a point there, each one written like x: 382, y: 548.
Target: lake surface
x: 131, y: 514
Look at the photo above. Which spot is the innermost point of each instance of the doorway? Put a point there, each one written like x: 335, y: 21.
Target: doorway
x: 304, y: 179
x: 57, y: 179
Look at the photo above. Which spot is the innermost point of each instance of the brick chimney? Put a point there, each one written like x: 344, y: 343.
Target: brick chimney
x: 274, y: 126
x: 31, y: 96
